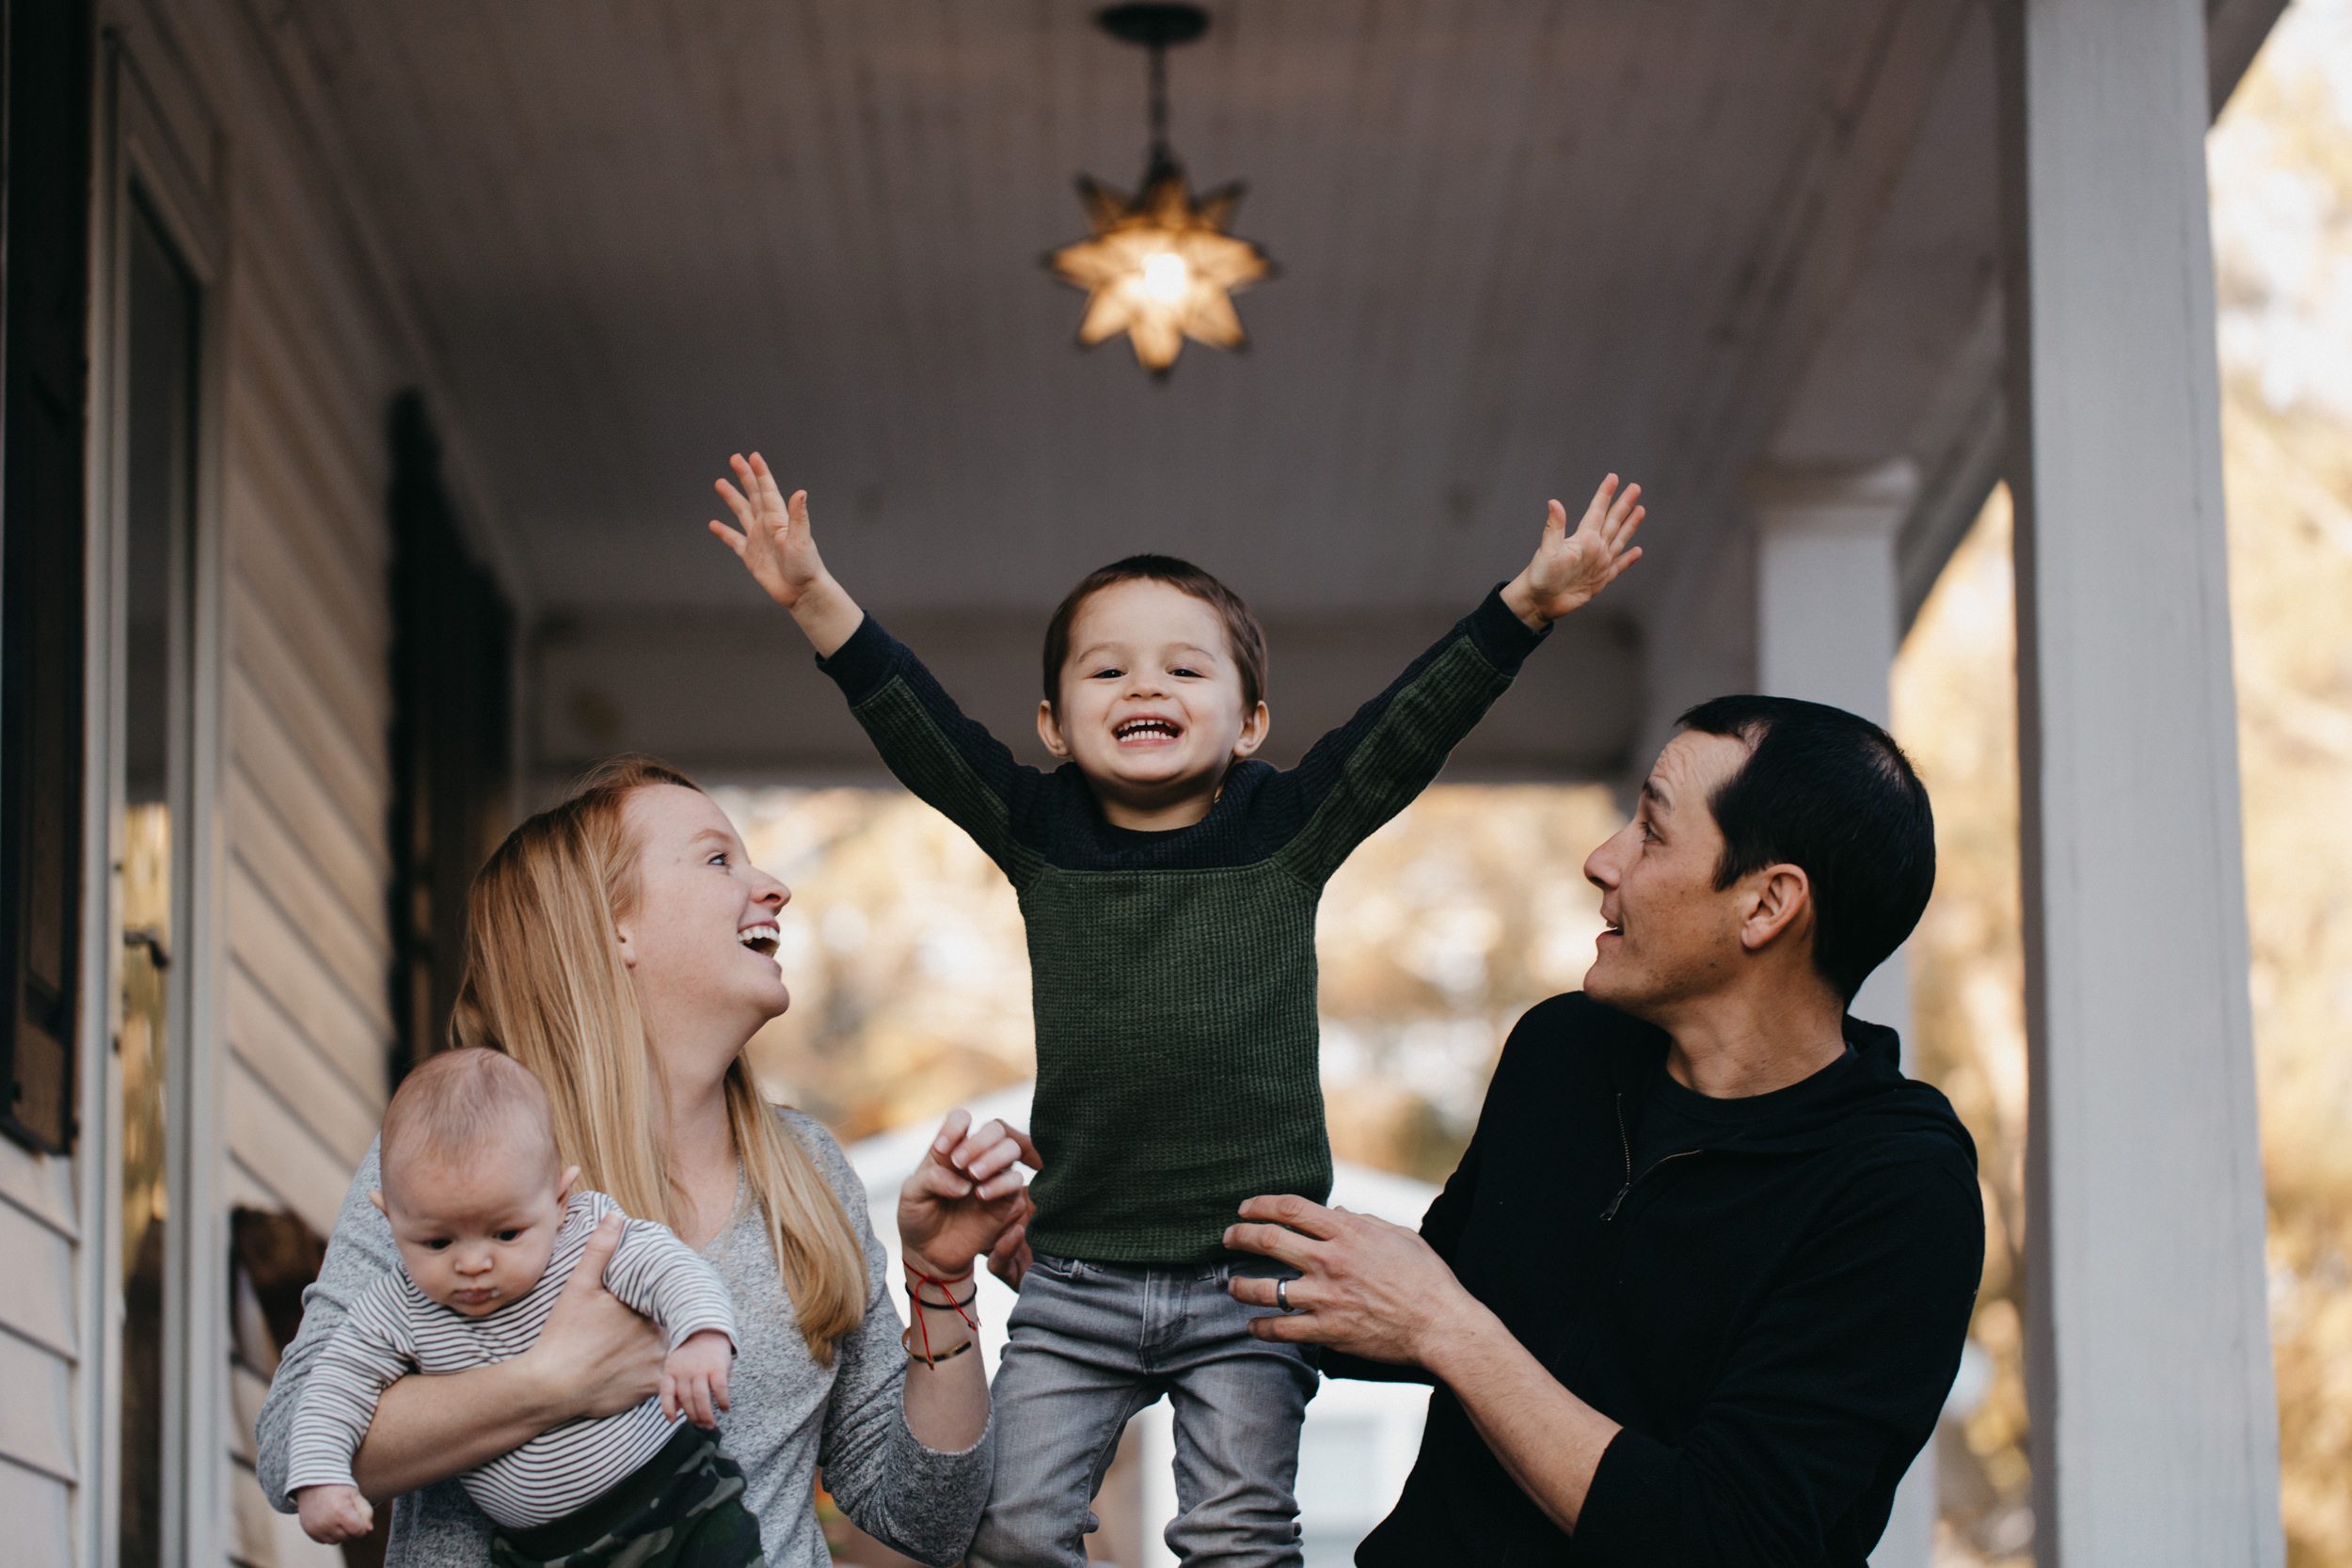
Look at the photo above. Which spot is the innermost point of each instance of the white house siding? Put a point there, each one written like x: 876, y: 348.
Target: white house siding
x: 312, y: 359
x: 38, y: 1349
x: 306, y: 787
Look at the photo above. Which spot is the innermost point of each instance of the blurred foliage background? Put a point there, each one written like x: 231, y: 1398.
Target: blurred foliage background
x: 904, y: 947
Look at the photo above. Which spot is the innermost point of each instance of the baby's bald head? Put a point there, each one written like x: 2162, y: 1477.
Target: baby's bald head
x: 458, y: 1107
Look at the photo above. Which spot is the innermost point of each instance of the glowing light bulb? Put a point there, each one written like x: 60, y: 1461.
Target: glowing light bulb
x: 1160, y: 267
x: 1166, y: 277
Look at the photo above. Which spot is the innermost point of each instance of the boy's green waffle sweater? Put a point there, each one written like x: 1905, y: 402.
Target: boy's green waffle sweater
x: 1173, y: 973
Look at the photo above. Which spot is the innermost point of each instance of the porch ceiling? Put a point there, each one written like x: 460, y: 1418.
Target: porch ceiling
x: 1520, y: 244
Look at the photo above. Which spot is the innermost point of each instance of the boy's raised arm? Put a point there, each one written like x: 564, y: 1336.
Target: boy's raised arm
x: 944, y: 757
x: 774, y: 545
x: 1362, y: 773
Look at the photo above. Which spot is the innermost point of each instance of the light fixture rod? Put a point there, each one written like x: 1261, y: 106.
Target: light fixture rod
x: 1159, y: 104
x: 1153, y: 27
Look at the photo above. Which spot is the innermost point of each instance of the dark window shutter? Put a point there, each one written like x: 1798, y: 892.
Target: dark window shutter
x: 44, y: 198
x: 453, y: 715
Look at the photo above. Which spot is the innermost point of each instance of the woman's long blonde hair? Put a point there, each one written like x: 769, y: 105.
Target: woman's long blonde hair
x: 545, y: 982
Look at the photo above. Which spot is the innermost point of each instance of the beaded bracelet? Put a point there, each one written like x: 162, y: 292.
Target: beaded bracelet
x: 906, y: 1338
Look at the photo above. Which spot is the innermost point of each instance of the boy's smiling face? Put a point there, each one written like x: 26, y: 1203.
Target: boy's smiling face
x: 1150, y: 708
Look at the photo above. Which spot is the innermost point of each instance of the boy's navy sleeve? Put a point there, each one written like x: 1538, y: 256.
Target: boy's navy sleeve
x: 950, y: 761
x: 1370, y: 767
x: 1800, y: 1425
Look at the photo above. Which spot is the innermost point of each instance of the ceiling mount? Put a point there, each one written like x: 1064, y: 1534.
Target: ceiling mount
x: 1154, y: 26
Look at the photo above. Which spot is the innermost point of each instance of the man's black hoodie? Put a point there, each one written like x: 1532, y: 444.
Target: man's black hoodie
x: 1774, y: 1318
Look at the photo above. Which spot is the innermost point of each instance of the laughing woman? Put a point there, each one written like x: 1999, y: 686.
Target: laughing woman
x: 621, y: 945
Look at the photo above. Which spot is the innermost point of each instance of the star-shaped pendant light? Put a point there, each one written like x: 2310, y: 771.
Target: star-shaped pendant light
x: 1160, y: 266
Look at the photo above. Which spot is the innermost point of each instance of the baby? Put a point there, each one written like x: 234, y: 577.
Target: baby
x: 489, y: 1227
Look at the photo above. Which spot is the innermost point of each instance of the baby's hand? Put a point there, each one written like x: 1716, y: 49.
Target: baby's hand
x: 1569, y: 569
x: 333, y: 1513
x: 695, y: 1378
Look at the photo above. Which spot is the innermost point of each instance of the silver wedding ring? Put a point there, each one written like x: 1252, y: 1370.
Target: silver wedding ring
x: 1283, y: 1294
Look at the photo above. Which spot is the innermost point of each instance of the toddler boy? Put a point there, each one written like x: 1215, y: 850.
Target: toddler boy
x: 1169, y: 886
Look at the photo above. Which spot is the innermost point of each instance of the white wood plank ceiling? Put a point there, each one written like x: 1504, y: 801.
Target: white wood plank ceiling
x: 1520, y: 243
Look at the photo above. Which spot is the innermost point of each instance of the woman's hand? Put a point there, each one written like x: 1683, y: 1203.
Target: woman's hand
x: 960, y: 1199
x: 597, y: 1357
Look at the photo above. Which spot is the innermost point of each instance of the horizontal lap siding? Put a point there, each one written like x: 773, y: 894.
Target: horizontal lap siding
x: 37, y: 1347
x: 37, y: 1507
x: 306, y: 786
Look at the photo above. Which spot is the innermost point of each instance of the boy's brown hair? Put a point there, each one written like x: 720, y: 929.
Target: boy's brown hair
x: 1244, y: 636
x: 456, y: 1103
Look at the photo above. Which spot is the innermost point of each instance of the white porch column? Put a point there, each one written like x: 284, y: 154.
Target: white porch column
x: 1826, y: 616
x: 2154, y: 1422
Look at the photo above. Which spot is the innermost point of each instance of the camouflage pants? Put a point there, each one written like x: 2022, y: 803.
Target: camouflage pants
x: 682, y: 1509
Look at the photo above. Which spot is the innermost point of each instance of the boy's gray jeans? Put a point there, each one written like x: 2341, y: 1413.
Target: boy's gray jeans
x: 1090, y: 1345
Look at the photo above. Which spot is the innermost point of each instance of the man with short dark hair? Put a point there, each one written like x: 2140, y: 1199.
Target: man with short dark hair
x: 1698, y: 1289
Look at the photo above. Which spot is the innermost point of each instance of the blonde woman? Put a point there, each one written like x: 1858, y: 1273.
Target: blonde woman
x: 622, y: 946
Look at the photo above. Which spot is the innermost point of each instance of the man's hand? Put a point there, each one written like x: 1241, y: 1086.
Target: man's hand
x: 963, y: 1196
x: 695, y: 1378
x: 596, y: 1357
x: 774, y: 545
x: 1569, y: 569
x: 334, y: 1513
x: 1364, y: 1286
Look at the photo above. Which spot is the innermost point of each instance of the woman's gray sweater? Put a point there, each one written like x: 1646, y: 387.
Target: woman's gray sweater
x: 791, y: 1417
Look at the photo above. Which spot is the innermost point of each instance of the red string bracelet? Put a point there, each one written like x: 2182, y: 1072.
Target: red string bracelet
x: 947, y: 1288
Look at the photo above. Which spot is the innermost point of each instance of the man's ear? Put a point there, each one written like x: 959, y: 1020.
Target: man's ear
x: 377, y: 1199
x: 1779, y: 904
x: 1049, y: 731
x: 1254, y: 732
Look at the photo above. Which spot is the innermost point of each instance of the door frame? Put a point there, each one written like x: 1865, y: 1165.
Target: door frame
x: 148, y: 112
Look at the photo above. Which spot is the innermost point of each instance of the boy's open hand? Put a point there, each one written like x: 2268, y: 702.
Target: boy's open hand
x: 695, y: 1378
x: 334, y: 1513
x: 774, y: 545
x: 1569, y: 569
x: 773, y: 542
